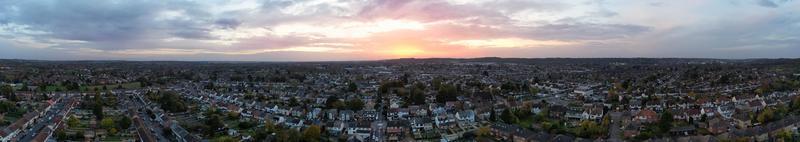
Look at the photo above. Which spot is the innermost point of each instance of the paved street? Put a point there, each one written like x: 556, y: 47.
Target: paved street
x: 43, y: 121
x: 614, y: 130
x: 152, y: 125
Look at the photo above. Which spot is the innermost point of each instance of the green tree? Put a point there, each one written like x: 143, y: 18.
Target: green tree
x: 785, y: 135
x: 124, y: 122
x: 78, y: 136
x: 293, y: 102
x: 312, y: 133
x: 171, y: 102
x: 665, y: 121
x: 508, y: 116
x: 113, y: 131
x: 224, y: 139
x: 24, y: 87
x: 446, y: 93
x: 352, y: 87
x: 334, y: 102
x: 246, y: 124
x: 260, y: 134
x: 233, y: 115
x: 107, y: 123
x: 97, y: 110
x: 417, y: 96
x: 249, y: 96
x: 7, y: 106
x: 483, y: 131
x: 72, y: 121
x: 355, y: 104
x: 703, y: 118
x: 213, y: 122
x: 61, y: 135
x: 590, y: 129
x: 269, y: 126
x: 766, y: 116
x: 289, y: 135
x: 8, y: 92
x: 535, y: 90
x: 795, y: 104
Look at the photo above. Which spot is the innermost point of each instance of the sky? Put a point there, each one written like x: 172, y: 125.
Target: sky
x: 339, y: 30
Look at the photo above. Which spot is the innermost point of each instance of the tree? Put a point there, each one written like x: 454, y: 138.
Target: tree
x: 170, y: 101
x: 107, y: 123
x: 246, y: 124
x: 24, y: 87
x: 492, y: 115
x: 72, y: 121
x: 417, y: 96
x: 7, y: 106
x: 446, y: 93
x: 312, y: 133
x: 97, y: 110
x: 795, y: 104
x: 535, y: 90
x: 703, y: 118
x: 508, y: 116
x: 355, y: 104
x: 233, y: 115
x: 665, y: 122
x: 289, y: 135
x: 78, y: 135
x: 590, y: 129
x: 210, y: 86
x: 436, y: 82
x: 334, y: 102
x: 249, y: 96
x: 8, y: 92
x: 124, y: 122
x: 606, y: 121
x: 213, y: 122
x: 61, y: 135
x: 293, y: 102
x: 224, y: 139
x: 113, y: 131
x: 766, y: 116
x: 483, y: 131
x: 786, y: 135
x: 352, y: 87
x: 260, y: 135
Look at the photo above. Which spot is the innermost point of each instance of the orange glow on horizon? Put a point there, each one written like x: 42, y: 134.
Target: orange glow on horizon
x: 405, y: 51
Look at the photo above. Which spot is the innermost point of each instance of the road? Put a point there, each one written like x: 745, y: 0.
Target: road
x: 153, y: 125
x: 614, y: 129
x: 46, y: 119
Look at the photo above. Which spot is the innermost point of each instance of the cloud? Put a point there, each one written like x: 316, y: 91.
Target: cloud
x: 771, y: 3
x: 346, y: 29
x: 582, y: 31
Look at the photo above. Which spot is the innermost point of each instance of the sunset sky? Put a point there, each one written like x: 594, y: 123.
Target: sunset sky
x: 323, y: 30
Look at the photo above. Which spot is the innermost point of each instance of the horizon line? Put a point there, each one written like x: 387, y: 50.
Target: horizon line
x: 378, y: 60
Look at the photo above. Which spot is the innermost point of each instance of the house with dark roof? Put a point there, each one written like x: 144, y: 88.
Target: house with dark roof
x: 395, y: 130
